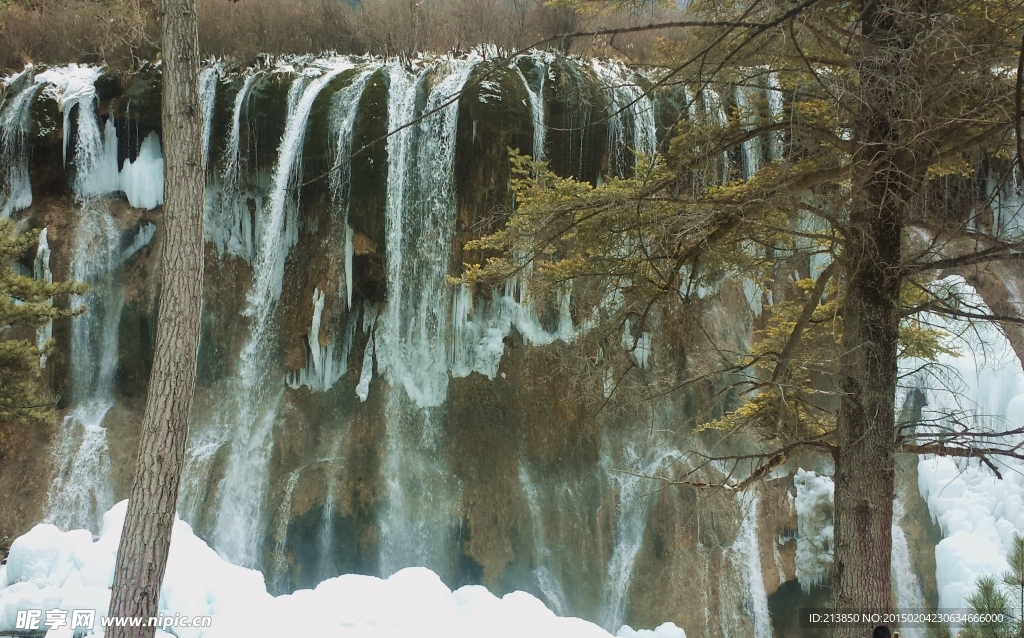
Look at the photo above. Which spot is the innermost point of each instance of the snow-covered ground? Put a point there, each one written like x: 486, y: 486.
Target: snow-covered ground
x: 49, y: 569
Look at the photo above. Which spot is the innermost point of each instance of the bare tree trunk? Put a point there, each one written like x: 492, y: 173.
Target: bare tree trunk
x: 866, y: 426
x: 142, y: 555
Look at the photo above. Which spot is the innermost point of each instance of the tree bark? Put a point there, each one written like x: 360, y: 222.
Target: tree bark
x: 866, y: 425
x: 145, y: 541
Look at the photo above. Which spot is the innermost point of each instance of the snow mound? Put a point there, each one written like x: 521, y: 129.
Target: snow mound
x: 49, y: 569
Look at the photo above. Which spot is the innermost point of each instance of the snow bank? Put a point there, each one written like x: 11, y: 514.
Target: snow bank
x: 50, y: 569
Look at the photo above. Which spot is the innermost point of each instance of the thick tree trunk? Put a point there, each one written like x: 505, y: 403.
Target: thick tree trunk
x: 866, y: 428
x: 142, y: 555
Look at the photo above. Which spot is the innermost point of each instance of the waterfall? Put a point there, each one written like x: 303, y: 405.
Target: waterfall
x: 41, y: 271
x: 631, y: 126
x: 95, y: 158
x: 632, y: 489
x: 751, y: 148
x: 15, y: 187
x: 775, y: 140
x: 748, y: 551
x: 207, y: 98
x: 421, y: 332
x: 537, y: 112
x: 253, y: 407
x: 326, y: 556
x: 420, y: 220
x: 196, y: 474
x: 228, y: 224
x: 410, y: 338
x: 906, y: 588
x: 549, y: 584
x: 326, y: 364
x: 81, y: 490
x: 342, y: 119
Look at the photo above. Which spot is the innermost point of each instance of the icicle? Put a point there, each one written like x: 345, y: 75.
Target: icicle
x: 240, y: 518
x: 349, y: 254
x: 228, y: 224
x: 142, y: 181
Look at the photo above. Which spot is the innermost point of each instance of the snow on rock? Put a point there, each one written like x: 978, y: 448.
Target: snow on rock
x: 50, y: 569
x: 814, y: 515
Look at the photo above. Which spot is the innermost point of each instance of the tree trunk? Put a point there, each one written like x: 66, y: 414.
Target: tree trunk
x: 866, y: 428
x: 142, y: 555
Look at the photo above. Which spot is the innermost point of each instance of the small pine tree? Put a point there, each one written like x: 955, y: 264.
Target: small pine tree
x: 25, y: 302
x: 1014, y: 585
x: 1005, y: 598
x: 987, y: 599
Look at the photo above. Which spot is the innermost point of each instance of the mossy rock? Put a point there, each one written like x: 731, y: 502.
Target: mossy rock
x: 47, y: 122
x: 228, y: 86
x: 494, y: 115
x: 137, y: 111
x: 368, y: 190
x: 265, y: 118
x: 576, y: 106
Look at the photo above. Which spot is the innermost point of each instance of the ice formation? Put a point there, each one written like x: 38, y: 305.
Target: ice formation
x: 814, y: 513
x: 95, y: 154
x: 50, y: 569
x: 977, y: 512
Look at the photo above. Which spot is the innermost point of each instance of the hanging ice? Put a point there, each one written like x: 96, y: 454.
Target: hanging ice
x: 15, y: 186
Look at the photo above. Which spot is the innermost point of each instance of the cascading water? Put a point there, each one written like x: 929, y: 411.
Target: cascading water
x: 410, y: 337
x: 207, y: 95
x: 751, y: 152
x: 81, y: 491
x: 548, y: 582
x: 537, y: 114
x: 421, y: 333
x: 15, y: 187
x: 906, y: 587
x: 228, y: 224
x: 633, y: 494
x: 631, y: 127
x: 749, y: 554
x: 240, y: 524
x: 326, y: 364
